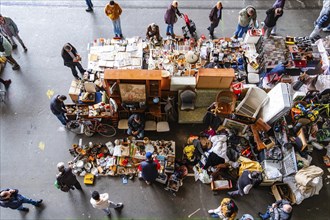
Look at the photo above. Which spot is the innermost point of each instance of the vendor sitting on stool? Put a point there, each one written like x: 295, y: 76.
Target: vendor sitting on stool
x: 153, y: 34
x: 149, y: 169
x: 135, y: 126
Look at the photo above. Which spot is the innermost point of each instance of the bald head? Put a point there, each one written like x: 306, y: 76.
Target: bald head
x: 287, y: 208
x: 5, y: 194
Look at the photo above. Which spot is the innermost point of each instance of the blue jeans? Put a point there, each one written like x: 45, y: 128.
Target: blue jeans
x: 117, y: 27
x: 170, y: 29
x: 111, y: 205
x: 240, y: 31
x: 62, y: 118
x: 266, y: 215
x: 139, y: 135
x: 89, y: 3
x: 25, y: 200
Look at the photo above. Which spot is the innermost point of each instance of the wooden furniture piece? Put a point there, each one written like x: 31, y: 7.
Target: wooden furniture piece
x: 215, y: 78
x: 261, y: 126
x: 150, y: 78
x: 225, y: 103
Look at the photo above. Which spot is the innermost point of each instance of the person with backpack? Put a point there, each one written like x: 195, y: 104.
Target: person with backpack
x: 226, y: 211
x: 10, y: 198
x: 66, y: 179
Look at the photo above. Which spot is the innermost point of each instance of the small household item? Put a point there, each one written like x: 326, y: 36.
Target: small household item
x: 89, y: 179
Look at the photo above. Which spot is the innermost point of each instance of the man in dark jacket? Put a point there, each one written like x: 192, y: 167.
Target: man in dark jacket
x: 280, y: 210
x: 10, y: 198
x: 149, y: 169
x: 66, y: 177
x: 215, y: 16
x: 72, y: 59
x: 58, y: 108
x: 245, y: 182
x: 171, y: 18
x: 273, y: 14
x: 136, y: 126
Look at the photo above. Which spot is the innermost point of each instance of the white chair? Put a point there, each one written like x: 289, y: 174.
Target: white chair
x: 254, y: 99
x: 162, y: 124
x: 123, y: 124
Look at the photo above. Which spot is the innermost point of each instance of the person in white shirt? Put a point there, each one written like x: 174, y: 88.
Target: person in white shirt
x: 101, y: 201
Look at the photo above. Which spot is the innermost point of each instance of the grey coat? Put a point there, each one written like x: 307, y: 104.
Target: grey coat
x: 9, y: 27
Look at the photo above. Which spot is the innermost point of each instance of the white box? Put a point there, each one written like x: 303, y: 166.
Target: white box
x: 181, y: 82
x: 279, y: 103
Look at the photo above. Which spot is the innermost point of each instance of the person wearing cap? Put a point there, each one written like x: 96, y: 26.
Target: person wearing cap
x: 58, y: 108
x: 65, y: 177
x: 227, y: 210
x: 245, y: 182
x: 149, y: 168
x: 246, y: 15
x: 171, y: 18
x: 215, y: 17
x: 72, y: 59
x: 279, y: 210
x: 9, y: 28
x: 10, y: 198
x: 113, y: 11
x: 6, y: 51
x: 101, y: 201
x: 136, y: 126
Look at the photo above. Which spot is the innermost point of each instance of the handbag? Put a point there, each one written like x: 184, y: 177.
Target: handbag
x: 64, y: 188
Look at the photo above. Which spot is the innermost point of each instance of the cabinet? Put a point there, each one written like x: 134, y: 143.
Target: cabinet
x: 215, y: 78
x: 134, y: 86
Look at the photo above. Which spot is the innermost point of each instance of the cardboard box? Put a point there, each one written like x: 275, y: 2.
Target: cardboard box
x: 74, y: 90
x: 221, y: 185
x: 215, y: 78
x: 283, y: 191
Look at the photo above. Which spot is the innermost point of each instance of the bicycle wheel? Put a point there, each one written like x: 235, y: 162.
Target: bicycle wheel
x: 106, y: 130
x: 88, y: 131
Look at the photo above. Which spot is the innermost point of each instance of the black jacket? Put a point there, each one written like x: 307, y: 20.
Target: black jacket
x: 271, y: 19
x: 132, y: 124
x: 67, y: 177
x: 213, y: 16
x: 56, y: 106
x: 68, y: 60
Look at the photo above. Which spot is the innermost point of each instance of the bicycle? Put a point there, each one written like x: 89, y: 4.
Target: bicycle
x: 91, y: 126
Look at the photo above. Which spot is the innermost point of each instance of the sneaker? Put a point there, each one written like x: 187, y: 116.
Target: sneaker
x: 168, y: 34
x: 25, y: 49
x: 24, y: 209
x: 120, y: 206
x: 260, y: 215
x: 14, y: 46
x: 147, y: 182
x: 89, y: 10
x: 121, y: 36
x: 16, y: 67
x: 38, y: 203
x: 7, y: 83
x: 211, y: 36
x: 326, y: 29
x: 211, y: 211
x: 234, y: 38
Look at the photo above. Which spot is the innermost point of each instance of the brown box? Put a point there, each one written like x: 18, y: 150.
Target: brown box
x: 215, y: 78
x: 278, y: 190
x: 74, y: 90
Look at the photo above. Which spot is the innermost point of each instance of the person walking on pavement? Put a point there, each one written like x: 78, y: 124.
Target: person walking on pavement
x: 9, y: 28
x: 6, y: 50
x: 171, y: 18
x: 215, y: 17
x: 65, y: 178
x: 272, y: 15
x: 58, y: 108
x: 72, y: 59
x: 89, y: 5
x: 246, y: 15
x: 322, y: 22
x: 101, y: 201
x: 10, y: 198
x: 279, y: 210
x: 277, y: 4
x: 149, y: 169
x: 6, y: 83
x: 113, y: 11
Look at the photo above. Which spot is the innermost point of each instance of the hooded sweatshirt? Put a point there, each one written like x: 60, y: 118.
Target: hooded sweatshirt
x: 103, y: 203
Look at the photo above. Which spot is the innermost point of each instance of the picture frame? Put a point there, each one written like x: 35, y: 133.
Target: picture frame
x: 132, y: 92
x: 240, y: 127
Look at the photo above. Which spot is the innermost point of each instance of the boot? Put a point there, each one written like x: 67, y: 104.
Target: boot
x: 7, y: 83
x: 14, y: 46
x: 311, y: 83
x: 16, y: 67
x: 25, y: 49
